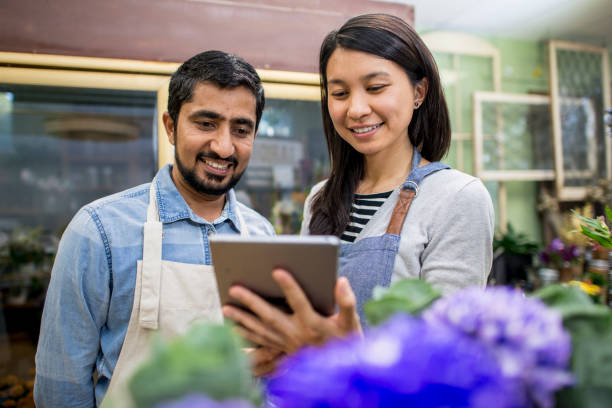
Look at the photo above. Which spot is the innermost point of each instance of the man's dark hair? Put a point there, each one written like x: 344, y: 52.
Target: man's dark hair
x: 220, y: 68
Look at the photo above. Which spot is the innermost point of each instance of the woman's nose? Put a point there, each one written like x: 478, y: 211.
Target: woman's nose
x: 358, y: 106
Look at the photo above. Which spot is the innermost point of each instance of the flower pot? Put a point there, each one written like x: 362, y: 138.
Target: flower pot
x: 548, y: 276
x: 568, y: 273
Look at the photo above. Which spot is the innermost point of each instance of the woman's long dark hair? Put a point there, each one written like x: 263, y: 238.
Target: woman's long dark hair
x: 391, y: 38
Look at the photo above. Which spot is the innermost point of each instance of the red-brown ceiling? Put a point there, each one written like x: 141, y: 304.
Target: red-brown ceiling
x: 271, y: 34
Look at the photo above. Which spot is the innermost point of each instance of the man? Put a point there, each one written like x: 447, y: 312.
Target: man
x: 138, y: 262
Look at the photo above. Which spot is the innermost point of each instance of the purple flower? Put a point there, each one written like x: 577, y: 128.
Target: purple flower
x: 528, y: 338
x: 544, y: 258
x: 558, y: 255
x: 556, y: 245
x: 570, y: 253
x: 200, y: 401
x: 404, y: 362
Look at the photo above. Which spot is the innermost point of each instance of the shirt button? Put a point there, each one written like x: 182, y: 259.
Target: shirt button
x: 210, y: 231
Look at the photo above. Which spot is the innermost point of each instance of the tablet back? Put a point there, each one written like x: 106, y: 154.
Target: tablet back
x: 249, y: 261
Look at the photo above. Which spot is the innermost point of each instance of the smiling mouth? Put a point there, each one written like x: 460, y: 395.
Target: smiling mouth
x: 365, y: 129
x: 221, y: 167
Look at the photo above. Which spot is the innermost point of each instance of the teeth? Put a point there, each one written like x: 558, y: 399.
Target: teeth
x: 216, y: 165
x: 367, y: 129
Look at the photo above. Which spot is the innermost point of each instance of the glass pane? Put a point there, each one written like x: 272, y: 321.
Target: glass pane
x: 516, y: 136
x: 289, y: 157
x: 581, y: 100
x: 60, y: 148
x: 476, y: 74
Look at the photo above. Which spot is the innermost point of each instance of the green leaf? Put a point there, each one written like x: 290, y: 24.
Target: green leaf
x: 513, y: 242
x: 408, y: 295
x: 207, y: 360
x: 590, y: 326
x: 584, y: 397
x: 591, y: 349
x: 608, y: 213
x: 601, y: 239
x: 568, y: 300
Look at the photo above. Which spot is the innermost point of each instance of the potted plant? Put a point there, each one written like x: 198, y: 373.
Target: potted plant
x: 597, y: 230
x: 561, y: 257
x: 513, y: 255
x: 25, y: 263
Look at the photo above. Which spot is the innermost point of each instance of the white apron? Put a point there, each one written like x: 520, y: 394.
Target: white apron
x: 168, y: 297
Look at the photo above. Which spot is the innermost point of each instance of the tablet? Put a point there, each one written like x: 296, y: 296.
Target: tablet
x: 249, y: 261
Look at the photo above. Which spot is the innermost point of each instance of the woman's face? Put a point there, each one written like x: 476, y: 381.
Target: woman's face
x: 371, y: 101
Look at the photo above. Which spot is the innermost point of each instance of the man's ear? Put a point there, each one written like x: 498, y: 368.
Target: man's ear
x: 169, y: 125
x: 420, y: 91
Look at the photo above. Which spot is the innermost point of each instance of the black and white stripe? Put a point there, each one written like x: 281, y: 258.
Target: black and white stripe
x: 363, y: 209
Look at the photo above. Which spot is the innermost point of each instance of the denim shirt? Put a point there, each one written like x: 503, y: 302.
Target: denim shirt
x: 91, y: 292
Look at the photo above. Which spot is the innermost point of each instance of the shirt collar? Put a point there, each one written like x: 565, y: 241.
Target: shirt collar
x: 172, y: 205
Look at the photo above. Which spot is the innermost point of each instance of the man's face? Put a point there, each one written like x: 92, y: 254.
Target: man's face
x: 213, y: 138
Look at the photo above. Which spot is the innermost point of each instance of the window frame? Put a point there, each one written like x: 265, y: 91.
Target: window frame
x: 126, y: 74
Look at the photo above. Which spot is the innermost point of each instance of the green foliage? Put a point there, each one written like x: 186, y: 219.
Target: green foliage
x: 513, y: 242
x: 596, y: 228
x: 408, y: 295
x: 590, y: 326
x: 23, y: 246
x: 207, y: 360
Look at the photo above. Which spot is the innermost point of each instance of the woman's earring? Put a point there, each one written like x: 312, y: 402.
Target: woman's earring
x: 416, y: 104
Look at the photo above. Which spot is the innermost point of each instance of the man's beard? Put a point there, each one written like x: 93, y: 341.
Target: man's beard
x: 200, y: 184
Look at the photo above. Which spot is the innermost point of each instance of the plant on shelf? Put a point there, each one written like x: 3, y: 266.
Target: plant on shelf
x: 23, y: 246
x: 561, y: 257
x: 25, y: 262
x: 596, y: 228
x: 513, y: 255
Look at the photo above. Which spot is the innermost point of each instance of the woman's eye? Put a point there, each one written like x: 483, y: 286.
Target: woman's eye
x: 339, y: 94
x: 376, y: 88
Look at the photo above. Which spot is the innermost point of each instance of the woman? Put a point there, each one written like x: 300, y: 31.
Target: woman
x: 399, y: 212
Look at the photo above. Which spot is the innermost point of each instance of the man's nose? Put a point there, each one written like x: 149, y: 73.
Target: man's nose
x: 223, y: 144
x: 358, y: 106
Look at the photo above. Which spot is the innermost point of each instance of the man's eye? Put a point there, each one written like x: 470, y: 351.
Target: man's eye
x: 206, y: 124
x: 242, y: 131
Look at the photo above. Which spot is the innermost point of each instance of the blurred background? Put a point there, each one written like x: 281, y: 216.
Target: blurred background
x: 83, y: 85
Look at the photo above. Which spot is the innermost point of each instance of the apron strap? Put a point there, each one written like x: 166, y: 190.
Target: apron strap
x: 399, y: 212
x: 151, y: 265
x: 409, y: 191
x: 152, y: 262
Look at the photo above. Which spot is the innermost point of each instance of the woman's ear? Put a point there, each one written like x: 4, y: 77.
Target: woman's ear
x: 420, y: 91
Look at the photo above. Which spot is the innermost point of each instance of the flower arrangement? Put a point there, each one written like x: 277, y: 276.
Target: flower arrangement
x: 557, y: 255
x: 475, y: 348
x: 404, y: 362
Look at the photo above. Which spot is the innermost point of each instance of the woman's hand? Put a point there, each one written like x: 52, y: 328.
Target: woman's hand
x: 272, y: 328
x: 264, y: 360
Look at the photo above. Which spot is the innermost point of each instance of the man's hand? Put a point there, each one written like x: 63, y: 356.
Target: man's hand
x: 272, y: 328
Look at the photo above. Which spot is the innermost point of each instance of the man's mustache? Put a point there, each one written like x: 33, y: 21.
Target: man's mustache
x: 212, y: 155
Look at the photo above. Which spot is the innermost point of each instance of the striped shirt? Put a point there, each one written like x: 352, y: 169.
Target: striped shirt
x: 363, y: 209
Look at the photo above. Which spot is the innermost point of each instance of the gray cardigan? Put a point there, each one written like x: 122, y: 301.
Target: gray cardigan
x: 447, y: 238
